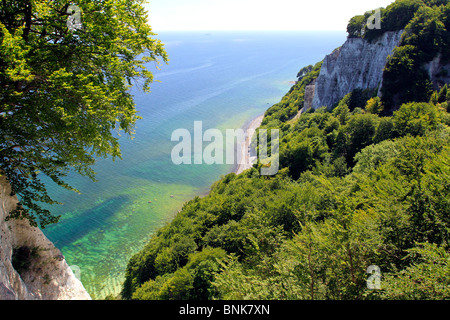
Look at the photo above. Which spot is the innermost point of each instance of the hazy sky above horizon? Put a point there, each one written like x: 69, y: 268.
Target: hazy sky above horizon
x: 257, y: 14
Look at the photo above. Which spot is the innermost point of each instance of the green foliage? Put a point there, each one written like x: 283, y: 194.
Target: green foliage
x: 357, y: 99
x: 394, y: 18
x: 404, y: 78
x: 360, y: 132
x: 448, y: 101
x: 311, y: 231
x: 432, y: 3
x: 428, y: 278
x: 373, y: 156
x: 425, y: 37
x: 443, y: 94
x: 426, y: 32
x: 192, y: 281
x: 434, y: 98
x: 399, y: 14
x: 65, y: 94
x: 356, y: 26
x: 304, y: 72
x: 293, y: 101
x: 348, y: 224
x: 374, y: 105
x: 415, y: 119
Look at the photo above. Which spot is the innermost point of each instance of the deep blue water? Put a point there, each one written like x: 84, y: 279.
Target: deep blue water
x: 221, y: 78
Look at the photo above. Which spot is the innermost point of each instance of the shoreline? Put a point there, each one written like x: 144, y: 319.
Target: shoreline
x: 243, y: 148
x: 253, y: 124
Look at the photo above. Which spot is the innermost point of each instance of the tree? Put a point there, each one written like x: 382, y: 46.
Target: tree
x: 342, y: 112
x: 426, y: 31
x: 443, y: 94
x: 424, y: 161
x: 374, y: 105
x: 404, y: 78
x: 178, y: 286
x: 304, y: 71
x: 415, y: 118
x: 434, y: 98
x: 356, y: 25
x: 427, y: 279
x: 65, y: 92
x: 361, y: 130
x: 371, y: 157
x: 399, y: 13
x: 384, y: 130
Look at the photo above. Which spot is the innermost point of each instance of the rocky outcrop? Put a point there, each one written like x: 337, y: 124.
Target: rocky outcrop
x: 44, y: 274
x: 309, y: 95
x: 358, y: 64
x: 438, y: 72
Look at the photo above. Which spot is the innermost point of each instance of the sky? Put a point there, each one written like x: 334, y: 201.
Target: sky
x: 256, y: 14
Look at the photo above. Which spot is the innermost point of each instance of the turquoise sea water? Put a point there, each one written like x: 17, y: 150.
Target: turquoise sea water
x: 224, y: 79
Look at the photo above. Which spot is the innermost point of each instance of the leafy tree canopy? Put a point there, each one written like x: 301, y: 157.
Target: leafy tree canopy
x: 65, y: 92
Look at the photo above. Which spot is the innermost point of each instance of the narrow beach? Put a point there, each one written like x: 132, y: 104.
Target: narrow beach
x: 243, y: 148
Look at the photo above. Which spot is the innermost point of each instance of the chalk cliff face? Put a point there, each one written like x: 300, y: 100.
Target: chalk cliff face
x: 358, y: 64
x: 44, y: 274
x: 438, y: 72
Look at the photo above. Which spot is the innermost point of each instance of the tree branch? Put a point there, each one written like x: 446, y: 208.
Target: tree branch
x: 27, y: 18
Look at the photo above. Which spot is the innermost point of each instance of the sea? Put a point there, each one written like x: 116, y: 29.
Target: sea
x: 224, y: 79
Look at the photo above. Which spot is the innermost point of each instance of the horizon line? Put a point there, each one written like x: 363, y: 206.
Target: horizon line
x: 249, y: 30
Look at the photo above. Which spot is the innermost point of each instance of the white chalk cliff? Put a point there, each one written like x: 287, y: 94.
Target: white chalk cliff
x: 47, y: 275
x: 358, y: 64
